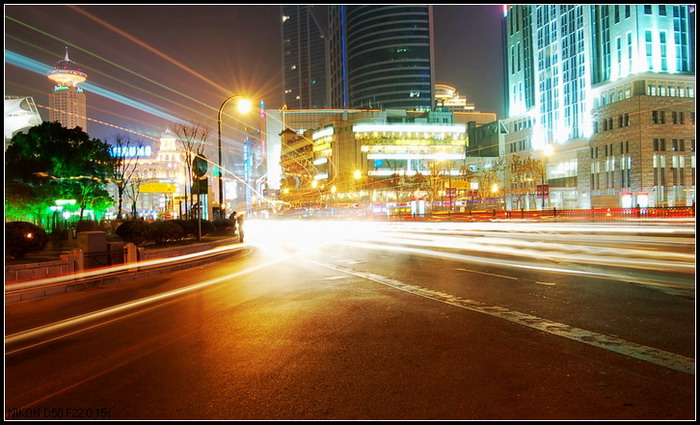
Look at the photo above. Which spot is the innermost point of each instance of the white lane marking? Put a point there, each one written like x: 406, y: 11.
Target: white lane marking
x: 627, y: 348
x: 488, y: 274
x: 335, y: 277
x: 546, y: 283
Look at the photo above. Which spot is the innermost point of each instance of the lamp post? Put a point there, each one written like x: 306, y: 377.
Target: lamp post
x: 357, y: 176
x: 333, y: 190
x: 546, y: 152
x: 243, y: 107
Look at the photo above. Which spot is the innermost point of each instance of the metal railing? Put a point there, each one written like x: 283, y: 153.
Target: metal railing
x: 554, y: 214
x: 106, y: 258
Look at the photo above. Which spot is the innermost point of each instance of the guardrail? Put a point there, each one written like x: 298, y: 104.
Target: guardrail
x: 554, y: 214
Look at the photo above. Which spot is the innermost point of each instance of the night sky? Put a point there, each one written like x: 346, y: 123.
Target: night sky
x: 186, y: 60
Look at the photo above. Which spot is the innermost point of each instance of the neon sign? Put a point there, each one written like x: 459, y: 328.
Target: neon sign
x: 131, y: 151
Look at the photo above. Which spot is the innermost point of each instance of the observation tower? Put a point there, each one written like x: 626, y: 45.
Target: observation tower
x: 67, y: 103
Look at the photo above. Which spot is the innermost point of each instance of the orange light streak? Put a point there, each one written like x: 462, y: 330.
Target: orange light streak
x: 148, y: 47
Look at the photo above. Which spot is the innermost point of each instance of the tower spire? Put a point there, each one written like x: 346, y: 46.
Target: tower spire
x: 67, y: 54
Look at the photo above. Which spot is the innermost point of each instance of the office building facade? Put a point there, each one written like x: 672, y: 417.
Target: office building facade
x: 610, y: 90
x: 304, y: 65
x: 381, y: 57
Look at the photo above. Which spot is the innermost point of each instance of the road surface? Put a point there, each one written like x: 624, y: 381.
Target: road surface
x: 344, y: 320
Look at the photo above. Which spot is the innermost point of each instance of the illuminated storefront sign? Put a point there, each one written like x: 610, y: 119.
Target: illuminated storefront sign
x: 131, y: 151
x: 328, y: 131
x: 456, y: 129
x: 155, y: 187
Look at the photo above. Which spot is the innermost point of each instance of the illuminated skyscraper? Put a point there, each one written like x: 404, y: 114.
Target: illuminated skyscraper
x: 67, y: 103
x: 303, y: 58
x: 604, y: 85
x: 381, y: 57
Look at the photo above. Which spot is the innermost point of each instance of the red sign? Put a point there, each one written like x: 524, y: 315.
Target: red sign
x: 542, y: 191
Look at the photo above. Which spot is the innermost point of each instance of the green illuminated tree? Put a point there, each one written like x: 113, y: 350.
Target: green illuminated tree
x: 51, y: 162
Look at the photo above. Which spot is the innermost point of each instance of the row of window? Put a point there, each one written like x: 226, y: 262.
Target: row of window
x: 652, y: 90
x: 605, y: 179
x: 663, y: 10
x: 677, y: 117
x: 603, y: 173
x: 520, y: 145
x: 659, y: 145
x: 522, y: 124
x: 608, y: 149
x: 677, y: 145
x: 672, y: 91
x: 657, y: 117
x: 612, y: 96
x: 677, y: 170
x: 607, y: 123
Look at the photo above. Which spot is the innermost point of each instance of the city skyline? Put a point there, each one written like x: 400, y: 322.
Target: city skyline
x: 183, y: 64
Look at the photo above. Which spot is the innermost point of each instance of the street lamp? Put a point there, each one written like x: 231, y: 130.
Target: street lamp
x: 546, y: 152
x: 243, y: 107
x: 357, y: 176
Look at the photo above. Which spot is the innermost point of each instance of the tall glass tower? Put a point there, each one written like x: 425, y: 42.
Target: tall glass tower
x: 303, y: 58
x: 596, y: 83
x: 381, y: 57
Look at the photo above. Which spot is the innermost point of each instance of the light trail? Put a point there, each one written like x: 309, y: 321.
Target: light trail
x: 116, y: 65
x: 550, y: 250
x: 104, y: 314
x: 121, y: 80
x: 107, y: 124
x: 39, y: 68
x: 48, y: 282
x: 537, y: 246
x: 35, y: 66
x: 149, y: 48
x: 521, y: 265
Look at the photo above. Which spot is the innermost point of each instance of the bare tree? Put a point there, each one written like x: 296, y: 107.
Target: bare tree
x: 125, y: 151
x: 523, y: 175
x: 435, y: 178
x: 132, y: 190
x: 488, y: 176
x: 192, y: 137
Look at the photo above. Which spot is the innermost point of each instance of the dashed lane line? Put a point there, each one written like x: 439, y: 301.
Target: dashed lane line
x: 627, y: 348
x: 488, y: 274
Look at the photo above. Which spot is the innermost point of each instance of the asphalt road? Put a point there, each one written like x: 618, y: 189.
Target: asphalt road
x: 311, y: 327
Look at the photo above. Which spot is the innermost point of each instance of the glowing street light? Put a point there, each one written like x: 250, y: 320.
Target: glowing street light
x: 244, y: 107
